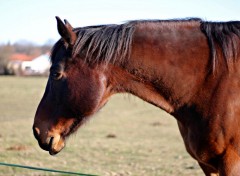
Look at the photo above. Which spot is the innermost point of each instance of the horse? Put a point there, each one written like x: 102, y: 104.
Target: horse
x: 186, y: 67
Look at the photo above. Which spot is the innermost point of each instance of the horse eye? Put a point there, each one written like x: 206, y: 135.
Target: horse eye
x: 56, y: 75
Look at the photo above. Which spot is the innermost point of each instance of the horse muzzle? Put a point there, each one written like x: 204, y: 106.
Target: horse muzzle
x: 49, y: 141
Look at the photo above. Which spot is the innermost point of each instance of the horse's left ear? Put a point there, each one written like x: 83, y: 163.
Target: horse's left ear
x: 66, y: 32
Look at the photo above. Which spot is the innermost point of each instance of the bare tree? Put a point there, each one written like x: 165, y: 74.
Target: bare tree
x: 5, y: 53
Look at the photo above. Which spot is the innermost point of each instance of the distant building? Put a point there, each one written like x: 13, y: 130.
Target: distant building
x: 23, y: 65
x: 38, y: 66
x: 15, y: 61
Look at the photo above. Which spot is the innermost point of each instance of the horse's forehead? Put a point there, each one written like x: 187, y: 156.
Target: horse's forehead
x: 59, y: 56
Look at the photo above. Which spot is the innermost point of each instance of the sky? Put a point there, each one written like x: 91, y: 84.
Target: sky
x: 34, y: 20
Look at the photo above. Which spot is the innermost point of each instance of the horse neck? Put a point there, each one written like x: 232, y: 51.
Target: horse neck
x: 167, y: 65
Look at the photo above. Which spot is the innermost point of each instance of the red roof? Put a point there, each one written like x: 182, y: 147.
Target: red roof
x: 21, y: 57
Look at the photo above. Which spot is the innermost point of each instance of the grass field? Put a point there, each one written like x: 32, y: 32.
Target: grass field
x: 127, y: 137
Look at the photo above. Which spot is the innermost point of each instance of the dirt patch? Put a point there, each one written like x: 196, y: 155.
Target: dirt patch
x: 17, y: 148
x: 111, y: 136
x: 155, y: 124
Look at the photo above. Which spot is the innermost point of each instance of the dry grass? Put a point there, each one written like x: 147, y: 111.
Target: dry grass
x: 128, y: 137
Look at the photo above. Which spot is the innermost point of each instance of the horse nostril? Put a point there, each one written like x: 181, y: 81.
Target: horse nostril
x: 36, y: 132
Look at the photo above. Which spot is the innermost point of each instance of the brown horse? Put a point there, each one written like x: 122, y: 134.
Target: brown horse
x: 189, y: 68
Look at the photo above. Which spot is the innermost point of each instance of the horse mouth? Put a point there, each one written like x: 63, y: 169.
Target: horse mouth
x: 54, y: 141
x: 56, y: 144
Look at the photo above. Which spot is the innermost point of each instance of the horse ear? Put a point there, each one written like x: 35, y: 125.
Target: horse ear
x: 68, y: 25
x: 66, y: 32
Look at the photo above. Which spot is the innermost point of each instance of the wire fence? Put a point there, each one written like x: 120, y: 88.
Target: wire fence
x: 43, y: 169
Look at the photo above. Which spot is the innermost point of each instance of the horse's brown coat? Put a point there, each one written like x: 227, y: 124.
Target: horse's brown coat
x: 180, y: 66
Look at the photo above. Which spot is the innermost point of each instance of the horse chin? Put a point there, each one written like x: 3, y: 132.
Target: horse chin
x: 57, y: 143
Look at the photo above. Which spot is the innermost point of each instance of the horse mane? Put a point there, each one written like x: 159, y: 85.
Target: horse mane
x: 112, y: 43
x: 107, y: 43
x: 225, y: 36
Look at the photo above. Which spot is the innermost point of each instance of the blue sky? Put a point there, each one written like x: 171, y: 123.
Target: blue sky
x: 34, y: 20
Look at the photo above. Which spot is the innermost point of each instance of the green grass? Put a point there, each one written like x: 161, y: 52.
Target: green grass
x: 143, y: 139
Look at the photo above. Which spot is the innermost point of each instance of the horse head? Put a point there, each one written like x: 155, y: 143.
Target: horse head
x: 75, y: 90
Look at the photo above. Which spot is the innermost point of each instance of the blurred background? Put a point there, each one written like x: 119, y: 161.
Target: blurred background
x: 28, y: 28
x: 129, y: 136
